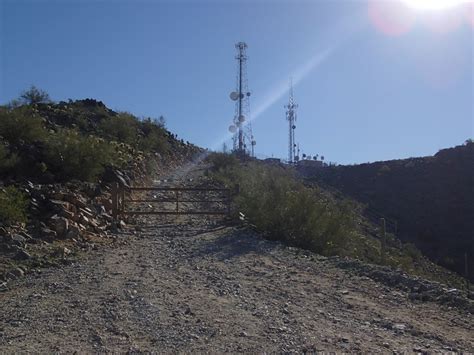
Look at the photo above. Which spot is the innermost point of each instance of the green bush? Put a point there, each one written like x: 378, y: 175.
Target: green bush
x: 34, y: 96
x: 13, y: 205
x: 284, y: 209
x: 222, y: 161
x: 8, y: 160
x: 20, y: 126
x: 153, y: 137
x: 70, y: 156
x: 122, y: 128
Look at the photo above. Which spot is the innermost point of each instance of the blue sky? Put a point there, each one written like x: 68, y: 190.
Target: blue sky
x: 364, y: 92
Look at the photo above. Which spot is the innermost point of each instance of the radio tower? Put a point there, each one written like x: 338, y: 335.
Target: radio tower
x: 242, y: 133
x: 291, y: 118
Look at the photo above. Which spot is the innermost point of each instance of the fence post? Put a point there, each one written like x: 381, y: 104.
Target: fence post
x: 177, y: 201
x: 384, y: 238
x: 122, y: 198
x: 115, y: 200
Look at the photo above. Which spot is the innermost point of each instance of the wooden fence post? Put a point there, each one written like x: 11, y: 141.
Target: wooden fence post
x: 177, y: 201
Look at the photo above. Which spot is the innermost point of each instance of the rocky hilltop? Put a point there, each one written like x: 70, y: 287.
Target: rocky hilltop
x: 431, y: 199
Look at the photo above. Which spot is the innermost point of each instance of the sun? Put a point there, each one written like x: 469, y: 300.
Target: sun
x: 435, y: 4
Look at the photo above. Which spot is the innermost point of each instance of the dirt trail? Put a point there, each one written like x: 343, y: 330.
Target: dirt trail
x: 199, y: 285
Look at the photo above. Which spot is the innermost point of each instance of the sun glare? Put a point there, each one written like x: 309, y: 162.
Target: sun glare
x: 435, y: 4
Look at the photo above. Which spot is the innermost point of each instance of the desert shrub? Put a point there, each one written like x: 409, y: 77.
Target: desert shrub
x: 70, y: 155
x: 222, y: 162
x: 121, y: 128
x: 284, y: 209
x: 153, y: 136
x: 20, y: 126
x: 8, y: 160
x: 13, y: 205
x: 34, y: 96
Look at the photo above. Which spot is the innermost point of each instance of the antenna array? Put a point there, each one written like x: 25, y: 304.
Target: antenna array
x: 243, y: 136
x: 293, y: 157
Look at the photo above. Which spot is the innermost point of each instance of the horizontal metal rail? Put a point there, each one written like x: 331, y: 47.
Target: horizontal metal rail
x: 175, y: 213
x: 173, y: 200
x: 119, y: 201
x: 179, y: 189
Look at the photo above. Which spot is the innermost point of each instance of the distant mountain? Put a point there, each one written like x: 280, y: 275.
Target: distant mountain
x: 430, y: 198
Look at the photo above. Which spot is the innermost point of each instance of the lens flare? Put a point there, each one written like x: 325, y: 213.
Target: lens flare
x: 435, y: 4
x: 391, y: 17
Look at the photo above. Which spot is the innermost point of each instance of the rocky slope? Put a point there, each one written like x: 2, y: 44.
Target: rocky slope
x: 430, y: 198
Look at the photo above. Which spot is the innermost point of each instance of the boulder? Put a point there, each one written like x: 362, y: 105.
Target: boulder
x: 22, y: 254
x: 60, y: 225
x: 47, y: 233
x: 73, y: 232
x: 15, y: 273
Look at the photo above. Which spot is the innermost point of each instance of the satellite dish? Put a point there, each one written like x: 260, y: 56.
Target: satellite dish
x: 294, y: 127
x: 248, y: 94
x: 254, y: 142
x: 241, y: 118
x: 232, y: 129
x: 234, y: 96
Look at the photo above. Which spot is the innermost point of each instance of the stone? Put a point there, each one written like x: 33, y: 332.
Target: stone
x: 399, y: 327
x: 83, y: 219
x: 107, y: 203
x: 60, y: 225
x: 47, y: 233
x: 73, y: 232
x: 15, y: 273
x: 16, y: 239
x: 22, y: 254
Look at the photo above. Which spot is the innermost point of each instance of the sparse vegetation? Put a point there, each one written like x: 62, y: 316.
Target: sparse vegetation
x: 281, y: 207
x: 34, y: 96
x: 70, y: 155
x: 284, y: 209
x: 13, y: 205
x: 48, y: 142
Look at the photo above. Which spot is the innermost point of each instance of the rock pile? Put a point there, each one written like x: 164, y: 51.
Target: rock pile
x: 76, y: 213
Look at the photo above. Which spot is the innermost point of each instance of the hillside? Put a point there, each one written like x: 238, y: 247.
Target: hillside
x: 198, y: 284
x: 430, y: 198
x: 57, y: 161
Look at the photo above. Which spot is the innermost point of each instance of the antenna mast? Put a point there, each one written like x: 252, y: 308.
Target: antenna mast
x: 242, y: 107
x: 291, y: 118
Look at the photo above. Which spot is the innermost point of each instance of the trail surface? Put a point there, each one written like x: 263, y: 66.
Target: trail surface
x: 199, y: 285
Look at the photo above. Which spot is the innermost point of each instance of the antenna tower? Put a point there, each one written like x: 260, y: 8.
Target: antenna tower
x: 243, y: 137
x: 291, y: 118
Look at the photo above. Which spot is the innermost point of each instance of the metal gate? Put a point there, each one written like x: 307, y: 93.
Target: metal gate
x: 170, y: 201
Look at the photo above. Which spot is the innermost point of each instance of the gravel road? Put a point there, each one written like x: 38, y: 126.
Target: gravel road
x: 199, y: 285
